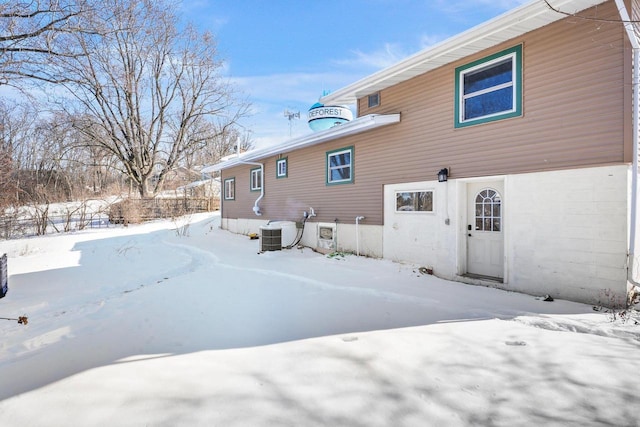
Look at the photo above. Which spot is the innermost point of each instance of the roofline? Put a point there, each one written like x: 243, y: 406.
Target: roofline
x: 359, y: 125
x: 511, y: 24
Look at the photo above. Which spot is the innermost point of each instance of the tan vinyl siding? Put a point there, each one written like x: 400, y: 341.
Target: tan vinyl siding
x: 575, y: 107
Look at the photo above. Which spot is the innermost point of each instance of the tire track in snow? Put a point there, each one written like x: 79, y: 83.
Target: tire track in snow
x: 200, y: 257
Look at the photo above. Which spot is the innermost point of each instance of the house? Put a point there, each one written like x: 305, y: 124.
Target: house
x: 505, y: 156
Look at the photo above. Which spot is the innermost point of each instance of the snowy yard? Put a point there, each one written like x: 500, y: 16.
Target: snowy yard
x: 142, y: 326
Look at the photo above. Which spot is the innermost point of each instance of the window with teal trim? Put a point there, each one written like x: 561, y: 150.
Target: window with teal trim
x: 340, y: 166
x: 282, y: 168
x: 489, y: 89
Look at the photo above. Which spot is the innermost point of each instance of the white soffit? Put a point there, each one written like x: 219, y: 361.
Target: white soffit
x: 361, y: 124
x: 509, y: 25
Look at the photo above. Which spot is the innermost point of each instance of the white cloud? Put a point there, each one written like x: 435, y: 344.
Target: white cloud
x: 200, y: 11
x: 453, y: 8
x: 384, y: 57
x: 429, y: 40
x: 271, y: 95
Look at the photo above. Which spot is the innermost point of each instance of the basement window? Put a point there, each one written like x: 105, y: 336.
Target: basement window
x: 414, y: 201
x: 489, y: 89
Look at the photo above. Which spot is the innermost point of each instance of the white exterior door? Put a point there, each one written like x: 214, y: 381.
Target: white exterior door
x: 485, y: 230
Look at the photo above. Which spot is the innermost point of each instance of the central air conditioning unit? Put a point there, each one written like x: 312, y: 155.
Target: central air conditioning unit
x: 270, y: 238
x: 327, y: 235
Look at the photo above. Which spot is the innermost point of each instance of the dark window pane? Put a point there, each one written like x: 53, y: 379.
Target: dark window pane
x: 421, y: 201
x: 404, y: 202
x: 340, y: 159
x: 426, y: 201
x: 496, y: 224
x: 340, y: 174
x: 488, y: 103
x: 489, y: 77
x: 374, y: 100
x: 479, y: 224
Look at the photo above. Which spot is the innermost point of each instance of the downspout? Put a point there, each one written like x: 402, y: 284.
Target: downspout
x: 635, y: 46
x: 256, y: 208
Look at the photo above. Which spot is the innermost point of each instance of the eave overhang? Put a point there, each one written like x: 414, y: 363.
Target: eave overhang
x: 507, y: 26
x: 359, y: 125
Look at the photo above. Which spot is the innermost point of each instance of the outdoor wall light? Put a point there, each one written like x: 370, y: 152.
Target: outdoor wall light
x: 443, y: 175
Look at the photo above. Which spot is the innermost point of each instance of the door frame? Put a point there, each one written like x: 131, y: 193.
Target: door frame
x: 463, y: 220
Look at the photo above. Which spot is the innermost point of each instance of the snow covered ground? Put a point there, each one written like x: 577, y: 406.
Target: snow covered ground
x: 152, y: 326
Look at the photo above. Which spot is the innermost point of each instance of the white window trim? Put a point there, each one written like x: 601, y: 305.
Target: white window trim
x: 424, y: 190
x: 279, y: 172
x: 230, y: 189
x: 253, y: 178
x: 511, y: 84
x: 330, y: 168
x: 512, y: 54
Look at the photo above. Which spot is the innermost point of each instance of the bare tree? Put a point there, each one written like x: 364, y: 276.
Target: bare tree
x: 16, y: 124
x: 31, y: 32
x: 219, y: 143
x: 148, y: 92
x: 7, y: 183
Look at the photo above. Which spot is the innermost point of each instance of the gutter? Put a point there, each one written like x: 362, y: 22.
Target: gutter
x: 356, y: 126
x: 361, y: 124
x: 635, y: 46
x: 532, y: 15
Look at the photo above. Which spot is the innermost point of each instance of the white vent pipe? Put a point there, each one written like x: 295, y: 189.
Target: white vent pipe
x: 358, y: 219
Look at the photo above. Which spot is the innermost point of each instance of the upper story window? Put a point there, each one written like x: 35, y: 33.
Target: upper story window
x: 373, y: 100
x: 414, y: 201
x: 489, y: 89
x: 230, y: 189
x: 281, y: 168
x: 340, y: 166
x: 256, y: 179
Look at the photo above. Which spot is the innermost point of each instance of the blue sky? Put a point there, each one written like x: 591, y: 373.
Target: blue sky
x: 284, y: 54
